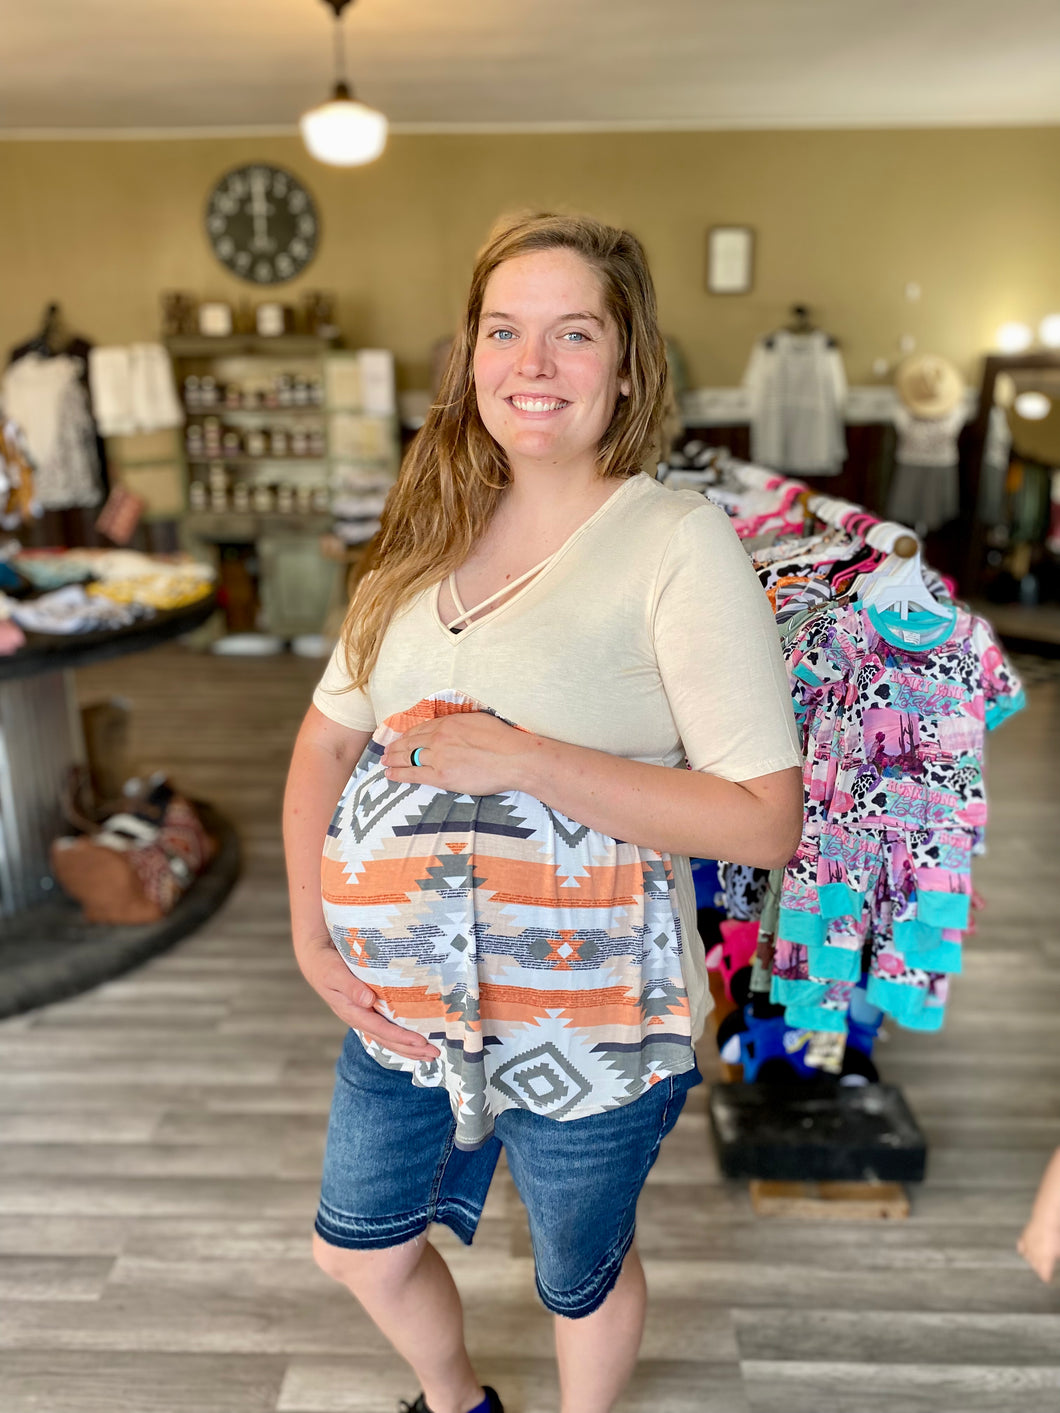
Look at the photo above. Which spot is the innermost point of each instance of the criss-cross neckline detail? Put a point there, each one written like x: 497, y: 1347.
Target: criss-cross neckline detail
x: 467, y: 615
x: 510, y: 592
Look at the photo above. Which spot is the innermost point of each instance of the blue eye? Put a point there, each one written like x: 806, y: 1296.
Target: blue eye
x: 577, y: 334
x: 502, y: 335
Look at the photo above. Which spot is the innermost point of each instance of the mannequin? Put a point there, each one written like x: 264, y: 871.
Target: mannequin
x: 924, y: 492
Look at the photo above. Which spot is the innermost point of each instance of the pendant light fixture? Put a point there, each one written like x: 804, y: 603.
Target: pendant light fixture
x: 343, y: 132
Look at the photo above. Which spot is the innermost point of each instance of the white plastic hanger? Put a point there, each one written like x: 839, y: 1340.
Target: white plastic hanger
x: 898, y: 583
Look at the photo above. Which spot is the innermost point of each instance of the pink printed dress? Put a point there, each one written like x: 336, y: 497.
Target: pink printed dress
x: 895, y: 713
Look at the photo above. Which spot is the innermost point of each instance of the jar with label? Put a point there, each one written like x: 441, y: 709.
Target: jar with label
x: 285, y: 499
x: 304, y: 499
x: 278, y: 441
x: 256, y: 442
x: 321, y: 498
x: 263, y: 499
x: 316, y: 441
x: 233, y: 395
x: 208, y: 390
x: 198, y: 495
x: 284, y: 391
x: 192, y: 394
x: 299, y: 441
x: 241, y: 496
x: 232, y: 442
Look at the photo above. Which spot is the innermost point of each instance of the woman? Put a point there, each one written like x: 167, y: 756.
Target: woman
x: 547, y: 633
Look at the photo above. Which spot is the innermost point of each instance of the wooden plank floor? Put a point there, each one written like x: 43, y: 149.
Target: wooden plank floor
x: 161, y: 1139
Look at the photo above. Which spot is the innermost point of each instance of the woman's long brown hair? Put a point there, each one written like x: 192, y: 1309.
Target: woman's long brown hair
x: 455, y: 473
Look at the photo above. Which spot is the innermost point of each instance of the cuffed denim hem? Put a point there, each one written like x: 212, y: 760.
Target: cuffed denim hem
x: 591, y: 1294
x: 376, y: 1233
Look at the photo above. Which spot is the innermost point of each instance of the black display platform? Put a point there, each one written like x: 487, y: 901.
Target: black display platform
x: 55, y: 652
x: 817, y: 1132
x: 49, y: 953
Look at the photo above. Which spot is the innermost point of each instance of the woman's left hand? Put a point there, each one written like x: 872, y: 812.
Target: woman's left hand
x: 469, y: 753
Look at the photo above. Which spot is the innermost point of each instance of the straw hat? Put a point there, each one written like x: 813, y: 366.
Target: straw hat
x: 928, y: 385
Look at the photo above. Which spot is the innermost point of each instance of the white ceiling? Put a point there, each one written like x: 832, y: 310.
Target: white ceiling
x: 132, y: 65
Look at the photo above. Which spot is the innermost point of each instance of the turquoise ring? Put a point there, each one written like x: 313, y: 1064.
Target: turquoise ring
x: 415, y: 757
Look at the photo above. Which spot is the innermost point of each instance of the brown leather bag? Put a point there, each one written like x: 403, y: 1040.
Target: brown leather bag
x: 130, y: 871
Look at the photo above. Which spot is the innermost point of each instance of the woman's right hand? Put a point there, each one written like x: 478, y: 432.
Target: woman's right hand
x: 354, y: 1003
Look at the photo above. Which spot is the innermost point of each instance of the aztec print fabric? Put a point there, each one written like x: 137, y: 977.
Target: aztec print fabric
x: 543, y: 959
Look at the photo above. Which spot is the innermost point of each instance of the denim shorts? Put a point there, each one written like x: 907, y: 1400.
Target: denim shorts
x: 391, y: 1168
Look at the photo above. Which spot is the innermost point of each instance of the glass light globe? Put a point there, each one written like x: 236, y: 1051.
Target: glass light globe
x: 344, y: 133
x: 1049, y: 331
x: 1032, y: 406
x: 1014, y: 338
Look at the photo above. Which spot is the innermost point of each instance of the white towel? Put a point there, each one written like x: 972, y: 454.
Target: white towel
x: 154, y: 393
x: 111, y: 385
x: 133, y: 389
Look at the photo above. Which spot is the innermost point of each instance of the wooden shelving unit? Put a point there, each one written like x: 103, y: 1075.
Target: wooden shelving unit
x: 236, y: 517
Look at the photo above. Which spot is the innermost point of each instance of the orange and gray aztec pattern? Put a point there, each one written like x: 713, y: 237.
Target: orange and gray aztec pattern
x: 542, y: 959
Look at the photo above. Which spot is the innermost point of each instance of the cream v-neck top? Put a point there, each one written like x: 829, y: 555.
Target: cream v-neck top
x: 646, y: 635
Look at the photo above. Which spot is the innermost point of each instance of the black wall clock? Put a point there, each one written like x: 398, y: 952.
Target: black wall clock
x: 262, y: 224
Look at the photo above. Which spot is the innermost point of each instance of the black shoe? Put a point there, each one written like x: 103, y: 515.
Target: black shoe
x: 420, y: 1406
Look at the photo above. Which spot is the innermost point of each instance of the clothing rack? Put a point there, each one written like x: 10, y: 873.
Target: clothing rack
x: 749, y: 475
x: 753, y: 477
x: 885, y: 535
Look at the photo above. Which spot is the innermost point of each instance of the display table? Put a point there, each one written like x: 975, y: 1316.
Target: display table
x: 40, y: 739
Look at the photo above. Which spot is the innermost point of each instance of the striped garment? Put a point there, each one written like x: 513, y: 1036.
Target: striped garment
x: 542, y: 959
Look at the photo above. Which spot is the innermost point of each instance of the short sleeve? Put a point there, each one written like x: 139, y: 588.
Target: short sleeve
x: 1002, y: 689
x: 333, y: 697
x: 820, y: 654
x: 719, y: 656
x: 809, y: 673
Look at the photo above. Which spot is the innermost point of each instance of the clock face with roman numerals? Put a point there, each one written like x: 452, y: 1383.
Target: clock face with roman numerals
x: 262, y: 224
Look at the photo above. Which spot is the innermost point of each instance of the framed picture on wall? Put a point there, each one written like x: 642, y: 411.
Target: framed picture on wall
x: 730, y: 259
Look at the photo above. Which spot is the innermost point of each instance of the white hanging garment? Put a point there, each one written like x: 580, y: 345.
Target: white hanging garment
x: 797, y: 388
x: 33, y: 388
x: 133, y: 389
x: 154, y: 393
x: 110, y: 380
x: 925, y: 488
x: 928, y: 441
x: 45, y: 396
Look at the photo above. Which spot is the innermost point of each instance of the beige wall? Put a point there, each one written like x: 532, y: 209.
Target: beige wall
x: 844, y: 220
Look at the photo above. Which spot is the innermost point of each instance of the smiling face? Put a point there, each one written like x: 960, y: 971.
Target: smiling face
x: 547, y: 374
